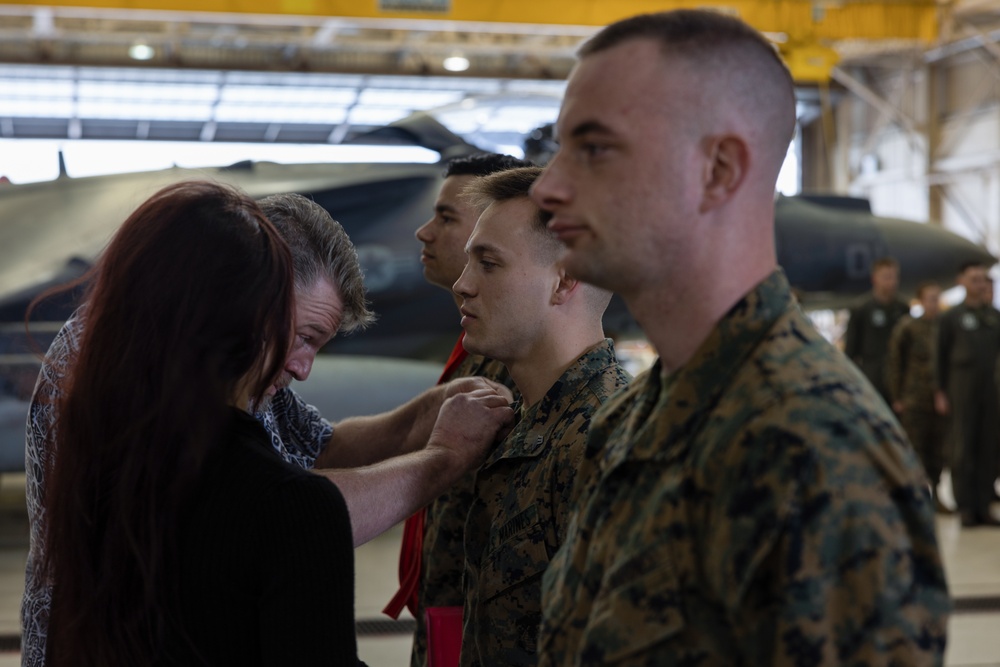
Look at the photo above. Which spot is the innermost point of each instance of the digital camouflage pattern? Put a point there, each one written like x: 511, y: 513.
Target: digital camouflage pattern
x: 759, y: 506
x: 520, y: 509
x: 911, y: 380
x: 866, y: 341
x: 442, y: 558
x: 910, y: 368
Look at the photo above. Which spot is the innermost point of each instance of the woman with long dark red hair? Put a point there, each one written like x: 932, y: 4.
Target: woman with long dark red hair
x: 175, y: 533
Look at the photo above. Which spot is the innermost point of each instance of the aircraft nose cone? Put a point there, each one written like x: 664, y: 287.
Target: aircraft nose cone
x: 927, y: 251
x: 827, y: 248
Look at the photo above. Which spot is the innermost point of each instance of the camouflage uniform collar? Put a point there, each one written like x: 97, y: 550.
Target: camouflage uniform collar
x: 530, y: 434
x: 684, y: 398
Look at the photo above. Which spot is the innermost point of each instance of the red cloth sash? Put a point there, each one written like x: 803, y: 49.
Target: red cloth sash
x: 413, y: 531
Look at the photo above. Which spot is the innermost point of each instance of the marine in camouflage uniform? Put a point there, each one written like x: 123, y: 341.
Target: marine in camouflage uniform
x: 911, y: 382
x: 968, y: 350
x: 444, y: 237
x: 520, y: 509
x: 442, y: 561
x: 759, y: 506
x: 866, y: 341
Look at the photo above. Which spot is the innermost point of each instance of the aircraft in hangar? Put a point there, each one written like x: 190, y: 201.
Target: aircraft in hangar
x: 50, y: 233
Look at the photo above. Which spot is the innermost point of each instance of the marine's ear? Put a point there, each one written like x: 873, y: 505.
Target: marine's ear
x: 565, y: 288
x: 725, y: 169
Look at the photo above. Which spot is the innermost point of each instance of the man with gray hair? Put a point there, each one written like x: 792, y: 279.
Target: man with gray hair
x: 750, y: 500
x: 329, y: 296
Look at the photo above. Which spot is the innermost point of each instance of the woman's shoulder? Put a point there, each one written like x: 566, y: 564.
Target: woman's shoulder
x: 248, y: 465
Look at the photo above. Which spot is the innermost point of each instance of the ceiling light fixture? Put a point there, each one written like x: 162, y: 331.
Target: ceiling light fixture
x: 456, y: 63
x: 141, y: 51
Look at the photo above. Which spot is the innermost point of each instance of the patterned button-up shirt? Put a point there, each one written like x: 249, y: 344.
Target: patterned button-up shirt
x: 298, y: 433
x: 758, y: 506
x: 520, y: 510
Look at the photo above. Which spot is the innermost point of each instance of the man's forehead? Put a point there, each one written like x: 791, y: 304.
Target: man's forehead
x: 319, y: 306
x: 502, y: 222
x: 481, y: 238
x: 606, y: 83
x: 452, y: 187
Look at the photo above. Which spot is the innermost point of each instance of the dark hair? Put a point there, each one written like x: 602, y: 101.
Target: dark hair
x: 192, y: 297
x: 885, y: 263
x: 483, y: 164
x: 504, y: 186
x: 971, y: 264
x: 321, y: 248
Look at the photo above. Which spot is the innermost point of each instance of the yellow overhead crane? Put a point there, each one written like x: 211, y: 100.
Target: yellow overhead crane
x: 803, y: 30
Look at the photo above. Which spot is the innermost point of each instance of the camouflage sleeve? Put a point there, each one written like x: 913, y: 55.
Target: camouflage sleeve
x: 823, y: 552
x: 852, y: 337
x: 895, y: 370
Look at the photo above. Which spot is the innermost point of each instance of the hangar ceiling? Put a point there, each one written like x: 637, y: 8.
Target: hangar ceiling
x: 501, y: 38
x: 288, y: 70
x: 89, y: 102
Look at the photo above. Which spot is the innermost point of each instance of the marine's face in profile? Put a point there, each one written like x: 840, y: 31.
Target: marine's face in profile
x: 444, y: 235
x: 507, y: 285
x: 618, y: 188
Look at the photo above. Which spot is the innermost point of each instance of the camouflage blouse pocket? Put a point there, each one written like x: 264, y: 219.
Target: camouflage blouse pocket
x: 639, y: 609
x: 515, y: 562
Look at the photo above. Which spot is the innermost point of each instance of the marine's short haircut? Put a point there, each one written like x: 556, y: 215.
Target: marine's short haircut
x: 723, y: 45
x: 505, y: 186
x: 483, y: 164
x: 321, y: 248
x: 885, y: 263
x: 690, y: 31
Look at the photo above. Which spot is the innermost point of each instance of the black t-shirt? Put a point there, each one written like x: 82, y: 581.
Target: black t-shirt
x: 266, y: 562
